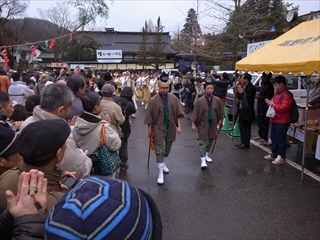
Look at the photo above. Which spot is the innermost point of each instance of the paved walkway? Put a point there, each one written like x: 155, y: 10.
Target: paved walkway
x: 239, y: 196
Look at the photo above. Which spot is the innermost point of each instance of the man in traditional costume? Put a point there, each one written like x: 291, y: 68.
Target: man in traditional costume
x: 143, y: 84
x: 207, y: 114
x: 153, y: 85
x: 163, y: 117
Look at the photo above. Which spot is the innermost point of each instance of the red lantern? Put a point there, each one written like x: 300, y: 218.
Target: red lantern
x: 70, y: 38
x: 5, y: 56
x: 33, y: 51
x: 52, y: 43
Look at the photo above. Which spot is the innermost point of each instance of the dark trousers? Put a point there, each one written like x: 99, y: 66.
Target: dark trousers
x: 123, y: 151
x: 245, y: 131
x: 279, y: 139
x: 263, y: 124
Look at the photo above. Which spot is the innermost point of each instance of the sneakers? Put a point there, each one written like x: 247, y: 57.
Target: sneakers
x: 269, y: 157
x: 279, y: 160
x: 256, y: 138
x: 269, y: 143
x: 142, y: 103
x: 263, y: 142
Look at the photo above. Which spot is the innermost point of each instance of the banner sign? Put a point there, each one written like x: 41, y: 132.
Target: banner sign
x: 252, y: 47
x: 109, y: 56
x: 59, y: 65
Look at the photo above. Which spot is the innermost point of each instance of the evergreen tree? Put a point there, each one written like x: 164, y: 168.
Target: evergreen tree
x: 191, y: 30
x: 156, y: 50
x: 142, y: 54
x: 84, y: 50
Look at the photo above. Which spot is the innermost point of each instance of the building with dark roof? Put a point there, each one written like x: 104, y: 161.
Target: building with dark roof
x: 119, y: 49
x: 310, y: 16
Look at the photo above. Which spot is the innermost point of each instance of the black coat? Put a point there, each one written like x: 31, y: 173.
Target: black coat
x: 220, y: 87
x: 266, y: 92
x: 250, y: 92
x: 127, y: 107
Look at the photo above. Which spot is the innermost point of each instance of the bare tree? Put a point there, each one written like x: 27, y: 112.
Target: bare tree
x: 64, y: 23
x: 91, y: 9
x: 8, y: 10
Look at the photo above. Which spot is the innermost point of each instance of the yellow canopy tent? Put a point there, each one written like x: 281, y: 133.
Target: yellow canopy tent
x: 296, y: 51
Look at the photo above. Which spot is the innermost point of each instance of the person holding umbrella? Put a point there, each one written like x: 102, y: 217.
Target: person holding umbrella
x: 207, y: 114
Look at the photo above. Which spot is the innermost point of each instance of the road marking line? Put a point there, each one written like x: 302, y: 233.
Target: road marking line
x: 291, y: 163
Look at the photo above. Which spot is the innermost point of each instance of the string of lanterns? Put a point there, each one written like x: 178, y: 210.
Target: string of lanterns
x: 32, y: 48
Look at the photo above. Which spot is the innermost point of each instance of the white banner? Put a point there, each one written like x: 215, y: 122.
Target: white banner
x: 252, y: 47
x: 109, y: 54
x: 109, y: 60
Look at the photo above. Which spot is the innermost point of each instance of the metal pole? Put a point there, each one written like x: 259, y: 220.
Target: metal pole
x: 305, y: 130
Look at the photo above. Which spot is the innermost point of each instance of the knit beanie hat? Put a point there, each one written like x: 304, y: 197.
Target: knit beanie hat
x: 103, y: 208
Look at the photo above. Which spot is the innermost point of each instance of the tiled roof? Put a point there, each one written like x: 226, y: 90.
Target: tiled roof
x: 127, y: 41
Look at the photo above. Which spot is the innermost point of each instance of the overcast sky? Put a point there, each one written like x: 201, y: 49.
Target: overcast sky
x: 130, y: 15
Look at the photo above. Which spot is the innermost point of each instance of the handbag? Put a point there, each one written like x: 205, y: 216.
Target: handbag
x: 246, y: 113
x: 109, y: 160
x: 271, y: 113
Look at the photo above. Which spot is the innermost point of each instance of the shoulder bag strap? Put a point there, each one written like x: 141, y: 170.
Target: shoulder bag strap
x: 103, y: 140
x: 282, y: 94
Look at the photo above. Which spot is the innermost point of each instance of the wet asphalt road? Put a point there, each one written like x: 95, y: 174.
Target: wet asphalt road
x: 239, y: 196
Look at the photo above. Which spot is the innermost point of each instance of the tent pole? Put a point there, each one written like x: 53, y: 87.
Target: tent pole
x: 305, y: 130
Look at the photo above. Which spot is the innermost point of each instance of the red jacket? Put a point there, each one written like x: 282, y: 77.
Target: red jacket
x: 283, y: 108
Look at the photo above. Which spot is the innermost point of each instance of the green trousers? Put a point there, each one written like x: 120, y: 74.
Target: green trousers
x: 204, y: 146
x: 162, y: 150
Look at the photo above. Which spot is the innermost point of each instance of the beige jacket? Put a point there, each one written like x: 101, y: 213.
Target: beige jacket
x: 87, y: 130
x: 73, y: 160
x: 114, y: 111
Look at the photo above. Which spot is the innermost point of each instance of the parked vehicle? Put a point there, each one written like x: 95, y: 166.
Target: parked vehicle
x: 230, y: 73
x: 293, y: 83
x: 255, y: 80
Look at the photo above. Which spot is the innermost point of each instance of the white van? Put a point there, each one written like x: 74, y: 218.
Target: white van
x: 293, y: 83
x: 255, y: 80
x: 230, y: 73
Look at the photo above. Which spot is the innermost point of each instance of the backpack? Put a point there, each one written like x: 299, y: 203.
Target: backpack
x: 178, y: 85
x: 295, y: 112
x: 123, y: 105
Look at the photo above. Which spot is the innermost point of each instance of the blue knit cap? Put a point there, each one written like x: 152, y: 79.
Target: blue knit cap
x: 100, y: 208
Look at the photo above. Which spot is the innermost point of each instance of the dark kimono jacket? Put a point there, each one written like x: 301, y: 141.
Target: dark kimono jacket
x: 155, y: 117
x: 200, y: 117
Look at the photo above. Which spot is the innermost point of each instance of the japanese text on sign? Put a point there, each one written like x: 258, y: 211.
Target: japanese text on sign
x: 300, y: 41
x: 109, y: 54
